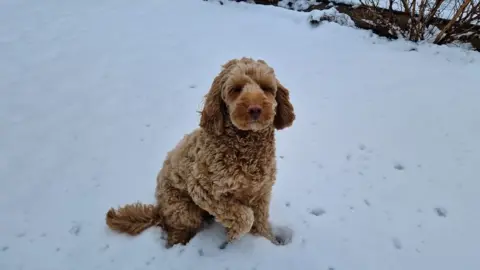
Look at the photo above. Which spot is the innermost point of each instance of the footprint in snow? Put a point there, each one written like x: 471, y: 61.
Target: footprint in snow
x: 396, y: 243
x: 362, y: 147
x: 317, y: 211
x: 283, y: 234
x: 75, y: 230
x: 105, y: 247
x: 399, y: 167
x: 150, y: 261
x: 303, y: 242
x: 441, y: 212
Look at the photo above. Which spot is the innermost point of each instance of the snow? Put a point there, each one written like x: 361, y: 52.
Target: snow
x: 379, y: 171
x: 331, y: 15
x: 296, y: 4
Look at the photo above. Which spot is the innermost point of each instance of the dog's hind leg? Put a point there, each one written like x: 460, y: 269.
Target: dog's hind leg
x: 183, y: 218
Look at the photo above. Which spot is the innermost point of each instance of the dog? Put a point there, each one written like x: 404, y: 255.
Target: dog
x: 226, y: 168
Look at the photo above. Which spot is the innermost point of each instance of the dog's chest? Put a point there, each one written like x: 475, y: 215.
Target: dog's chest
x: 243, y: 171
x: 251, y: 180
x: 248, y: 190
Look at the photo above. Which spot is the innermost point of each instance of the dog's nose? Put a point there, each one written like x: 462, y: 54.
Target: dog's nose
x: 254, y: 111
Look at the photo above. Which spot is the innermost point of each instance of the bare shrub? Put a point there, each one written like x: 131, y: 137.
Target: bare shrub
x: 463, y: 22
x: 440, y: 21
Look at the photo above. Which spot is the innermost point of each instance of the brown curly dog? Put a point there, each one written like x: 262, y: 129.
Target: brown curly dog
x: 226, y: 168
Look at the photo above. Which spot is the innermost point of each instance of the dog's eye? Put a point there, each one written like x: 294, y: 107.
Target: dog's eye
x: 237, y: 89
x: 267, y: 89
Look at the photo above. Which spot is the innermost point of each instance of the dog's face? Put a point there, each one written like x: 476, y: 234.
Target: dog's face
x: 247, y: 92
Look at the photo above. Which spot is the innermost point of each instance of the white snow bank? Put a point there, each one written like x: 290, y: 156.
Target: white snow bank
x: 296, y: 4
x: 331, y: 15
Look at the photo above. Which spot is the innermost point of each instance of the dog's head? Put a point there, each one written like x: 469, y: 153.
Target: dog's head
x: 248, y: 92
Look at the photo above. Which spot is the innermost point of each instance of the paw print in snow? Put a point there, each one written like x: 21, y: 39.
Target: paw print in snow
x: 317, y: 211
x: 441, y: 212
x: 75, y: 230
x: 283, y: 235
x: 399, y: 167
x: 362, y: 147
x: 396, y: 243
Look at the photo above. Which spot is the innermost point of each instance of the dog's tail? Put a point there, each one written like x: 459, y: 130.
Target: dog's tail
x: 134, y: 218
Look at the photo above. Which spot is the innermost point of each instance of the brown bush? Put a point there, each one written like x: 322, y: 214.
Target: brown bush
x: 424, y: 18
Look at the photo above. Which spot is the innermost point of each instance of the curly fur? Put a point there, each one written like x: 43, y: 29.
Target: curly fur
x: 226, y: 168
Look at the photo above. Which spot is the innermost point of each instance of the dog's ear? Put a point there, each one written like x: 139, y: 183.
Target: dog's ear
x: 213, y: 110
x: 285, y: 115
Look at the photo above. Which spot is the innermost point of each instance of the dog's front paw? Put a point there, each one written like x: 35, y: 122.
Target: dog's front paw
x: 282, y: 235
x: 242, y: 225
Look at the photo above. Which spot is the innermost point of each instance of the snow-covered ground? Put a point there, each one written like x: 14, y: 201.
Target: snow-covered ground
x: 380, y: 170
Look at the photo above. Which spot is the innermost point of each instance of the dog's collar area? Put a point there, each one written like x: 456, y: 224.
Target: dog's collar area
x: 233, y: 132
